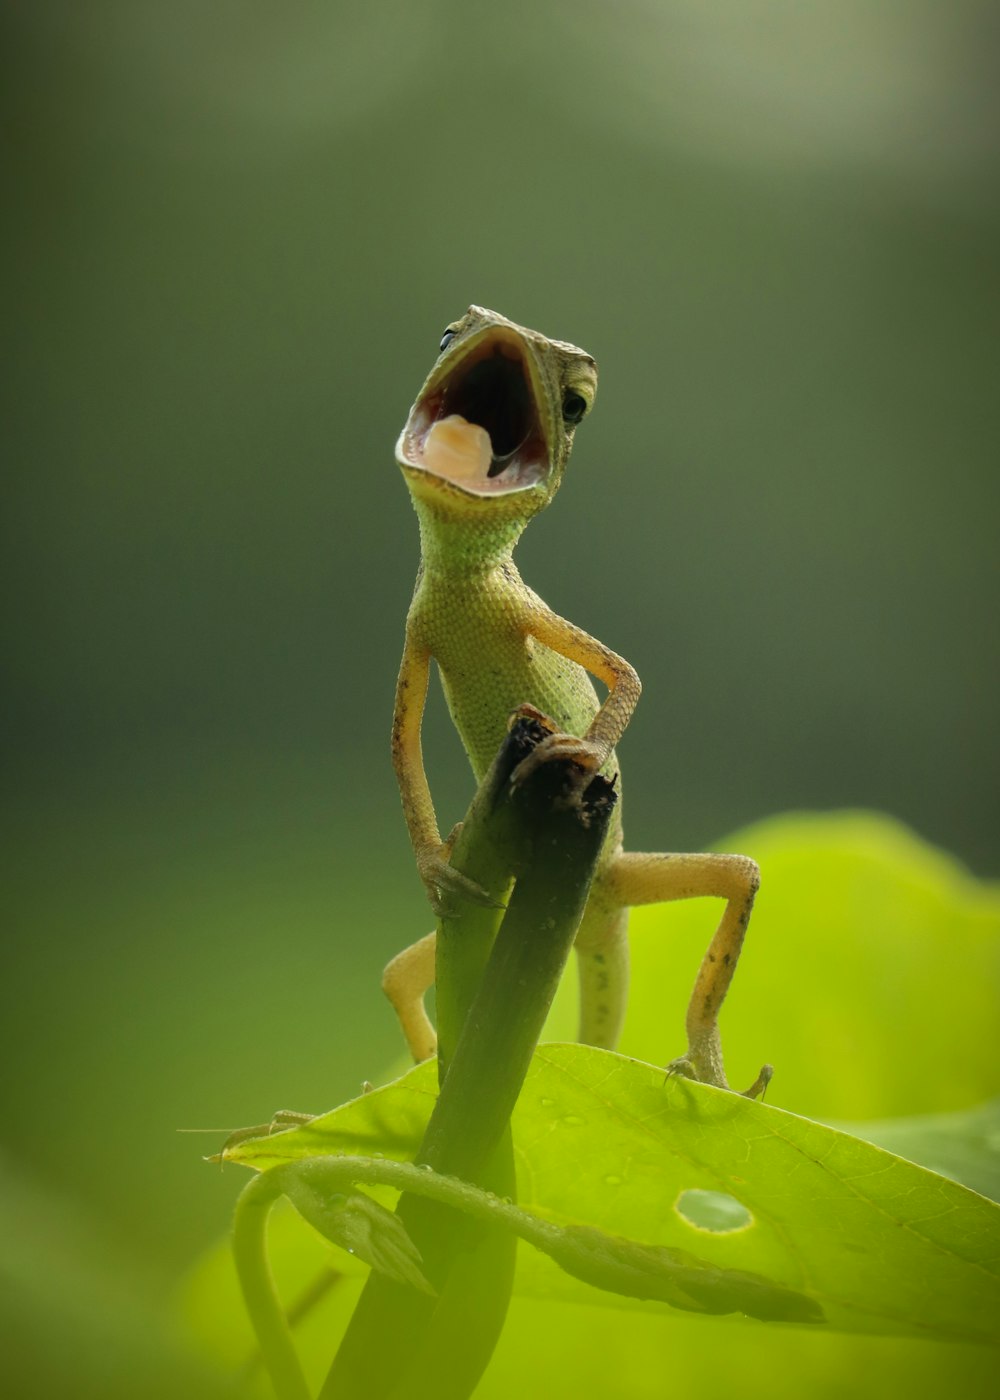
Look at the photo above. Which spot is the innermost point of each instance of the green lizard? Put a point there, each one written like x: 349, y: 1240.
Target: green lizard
x: 483, y: 450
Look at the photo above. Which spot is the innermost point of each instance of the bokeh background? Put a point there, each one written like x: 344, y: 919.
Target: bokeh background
x: 235, y: 234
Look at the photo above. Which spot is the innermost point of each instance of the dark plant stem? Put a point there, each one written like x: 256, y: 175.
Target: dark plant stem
x: 559, y: 844
x: 492, y: 1006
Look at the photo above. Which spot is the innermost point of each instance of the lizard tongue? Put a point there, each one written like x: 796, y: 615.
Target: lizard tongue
x: 458, y: 450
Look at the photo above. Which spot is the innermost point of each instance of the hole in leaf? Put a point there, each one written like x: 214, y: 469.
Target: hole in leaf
x: 713, y: 1211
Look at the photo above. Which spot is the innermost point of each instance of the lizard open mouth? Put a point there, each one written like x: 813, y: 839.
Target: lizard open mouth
x: 479, y: 427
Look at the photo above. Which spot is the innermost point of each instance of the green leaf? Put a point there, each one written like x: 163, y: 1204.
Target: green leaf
x: 881, y: 1245
x: 964, y: 1146
x: 855, y: 983
x: 857, y: 947
x: 355, y: 1223
x: 870, y: 977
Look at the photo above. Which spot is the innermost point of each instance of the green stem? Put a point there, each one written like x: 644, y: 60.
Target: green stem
x: 444, y: 1345
x: 334, y: 1173
x: 330, y: 1174
x: 484, y: 853
x: 363, y: 1369
x: 559, y: 848
x: 605, y: 1261
x: 259, y: 1292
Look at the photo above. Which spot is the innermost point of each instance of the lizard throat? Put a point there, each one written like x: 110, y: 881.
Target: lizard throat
x: 477, y: 426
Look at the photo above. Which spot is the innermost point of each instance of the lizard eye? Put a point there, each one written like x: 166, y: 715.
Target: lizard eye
x: 447, y: 338
x: 574, y: 407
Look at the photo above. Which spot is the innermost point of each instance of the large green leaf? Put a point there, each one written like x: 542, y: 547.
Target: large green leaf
x: 870, y: 977
x: 880, y: 1244
x: 855, y: 983
x: 964, y: 1146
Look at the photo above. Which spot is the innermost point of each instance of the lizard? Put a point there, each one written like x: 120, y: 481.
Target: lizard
x: 484, y: 449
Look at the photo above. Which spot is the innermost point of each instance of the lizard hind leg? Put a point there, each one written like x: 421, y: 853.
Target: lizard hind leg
x: 653, y: 879
x: 406, y: 981
x: 602, y: 962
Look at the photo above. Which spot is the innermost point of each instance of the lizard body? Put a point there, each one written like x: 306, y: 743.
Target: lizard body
x: 484, y: 686
x: 483, y: 450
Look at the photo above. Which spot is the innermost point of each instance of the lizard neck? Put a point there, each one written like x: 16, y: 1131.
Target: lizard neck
x: 460, y: 546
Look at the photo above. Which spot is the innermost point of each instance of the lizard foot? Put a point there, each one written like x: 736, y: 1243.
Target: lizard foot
x: 687, y: 1069
x: 445, y: 885
x: 585, y: 757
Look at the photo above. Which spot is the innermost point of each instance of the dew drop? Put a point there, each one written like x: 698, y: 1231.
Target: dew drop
x: 380, y: 1155
x: 545, y: 1103
x: 612, y: 1181
x: 572, y: 1121
x: 424, y: 1167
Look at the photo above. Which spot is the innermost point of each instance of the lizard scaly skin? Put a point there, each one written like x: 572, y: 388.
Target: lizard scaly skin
x: 483, y: 450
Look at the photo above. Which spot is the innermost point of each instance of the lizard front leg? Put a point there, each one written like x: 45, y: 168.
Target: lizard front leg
x: 591, y: 750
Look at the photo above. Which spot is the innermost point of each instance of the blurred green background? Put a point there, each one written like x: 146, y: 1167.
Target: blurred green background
x: 235, y: 234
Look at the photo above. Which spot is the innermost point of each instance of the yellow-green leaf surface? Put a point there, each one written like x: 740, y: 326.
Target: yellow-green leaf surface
x: 870, y: 976
x: 880, y: 1244
x: 964, y: 1146
x: 869, y: 980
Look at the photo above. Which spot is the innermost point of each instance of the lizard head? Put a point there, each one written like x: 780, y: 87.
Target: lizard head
x: 493, y: 425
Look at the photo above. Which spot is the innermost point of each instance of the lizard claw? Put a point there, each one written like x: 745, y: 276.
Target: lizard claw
x: 687, y: 1069
x: 586, y: 756
x: 445, y: 885
x: 527, y: 711
x: 758, y: 1088
x: 681, y: 1066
